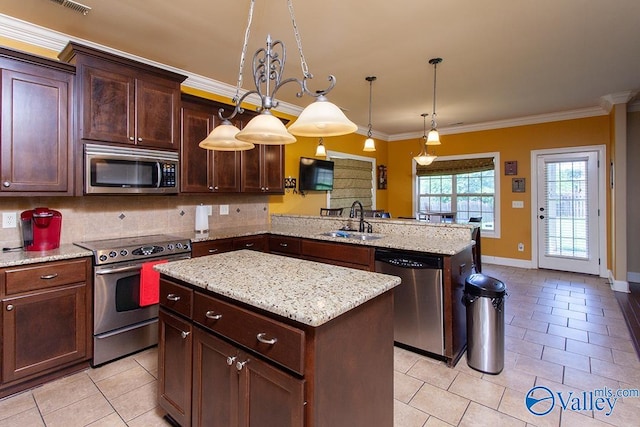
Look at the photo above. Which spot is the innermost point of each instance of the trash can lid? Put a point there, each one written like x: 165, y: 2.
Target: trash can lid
x: 484, y: 286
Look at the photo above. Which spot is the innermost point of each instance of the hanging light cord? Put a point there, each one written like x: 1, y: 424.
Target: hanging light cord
x: 371, y: 79
x: 247, y: 32
x: 303, y: 62
x: 435, y: 62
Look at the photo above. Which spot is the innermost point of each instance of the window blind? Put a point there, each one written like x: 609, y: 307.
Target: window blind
x: 352, y: 180
x: 454, y: 167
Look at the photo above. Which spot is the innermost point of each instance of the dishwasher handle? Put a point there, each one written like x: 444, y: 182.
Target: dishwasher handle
x: 409, y: 260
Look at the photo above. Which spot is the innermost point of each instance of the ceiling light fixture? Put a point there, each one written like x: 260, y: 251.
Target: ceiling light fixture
x: 320, y: 118
x: 369, y: 143
x: 434, y: 137
x: 321, y: 151
x: 424, y: 158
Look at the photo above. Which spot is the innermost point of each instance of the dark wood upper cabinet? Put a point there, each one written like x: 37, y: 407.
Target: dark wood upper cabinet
x: 123, y: 101
x: 36, y: 128
x: 263, y: 169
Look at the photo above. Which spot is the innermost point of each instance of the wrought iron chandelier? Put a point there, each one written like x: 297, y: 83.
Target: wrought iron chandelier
x: 320, y: 119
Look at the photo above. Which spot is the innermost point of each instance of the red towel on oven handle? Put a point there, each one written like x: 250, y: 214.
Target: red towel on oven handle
x: 150, y: 283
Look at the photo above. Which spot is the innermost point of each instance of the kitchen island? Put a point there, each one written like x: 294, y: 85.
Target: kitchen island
x: 249, y: 338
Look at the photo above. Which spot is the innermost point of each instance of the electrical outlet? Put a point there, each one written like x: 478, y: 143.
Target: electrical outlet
x: 224, y: 209
x: 9, y: 220
x: 521, y: 247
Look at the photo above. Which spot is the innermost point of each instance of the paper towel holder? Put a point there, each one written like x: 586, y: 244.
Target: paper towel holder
x: 202, y: 219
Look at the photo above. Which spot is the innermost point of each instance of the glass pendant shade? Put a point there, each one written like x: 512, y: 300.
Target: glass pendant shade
x: 321, y: 150
x: 424, y: 159
x: 223, y: 138
x: 265, y: 129
x: 433, y: 138
x: 369, y: 145
x: 322, y: 118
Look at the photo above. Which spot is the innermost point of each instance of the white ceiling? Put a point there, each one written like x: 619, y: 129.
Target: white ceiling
x: 503, y: 59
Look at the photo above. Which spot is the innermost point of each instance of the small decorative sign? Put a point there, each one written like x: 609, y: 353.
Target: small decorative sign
x: 517, y: 185
x: 511, y: 167
x: 382, y: 177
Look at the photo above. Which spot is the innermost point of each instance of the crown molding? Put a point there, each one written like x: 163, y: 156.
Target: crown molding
x: 520, y: 121
x: 608, y: 101
x: 36, y: 35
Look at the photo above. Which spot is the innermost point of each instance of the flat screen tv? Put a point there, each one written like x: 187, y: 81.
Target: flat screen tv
x: 316, y: 175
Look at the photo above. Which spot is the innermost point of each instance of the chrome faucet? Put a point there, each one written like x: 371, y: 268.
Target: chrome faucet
x: 362, y: 221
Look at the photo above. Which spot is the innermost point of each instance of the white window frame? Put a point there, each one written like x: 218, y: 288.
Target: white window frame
x: 495, y: 233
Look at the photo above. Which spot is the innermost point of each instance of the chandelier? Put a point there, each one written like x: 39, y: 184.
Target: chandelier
x: 424, y: 158
x: 320, y: 119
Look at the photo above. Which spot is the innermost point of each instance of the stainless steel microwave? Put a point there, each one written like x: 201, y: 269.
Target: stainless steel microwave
x: 122, y: 170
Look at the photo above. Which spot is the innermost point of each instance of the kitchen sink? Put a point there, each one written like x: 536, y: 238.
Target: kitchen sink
x: 351, y: 235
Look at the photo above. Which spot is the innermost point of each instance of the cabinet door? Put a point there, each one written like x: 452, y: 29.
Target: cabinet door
x: 226, y: 172
x: 211, y: 247
x: 35, y: 138
x: 269, y: 397
x: 43, y: 331
x: 174, y: 367
x: 108, y: 106
x: 263, y: 169
x: 157, y: 114
x: 215, y: 382
x: 255, y: 243
x: 196, y: 162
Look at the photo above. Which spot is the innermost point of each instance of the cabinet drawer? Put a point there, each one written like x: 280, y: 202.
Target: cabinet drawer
x: 42, y: 276
x: 256, y: 243
x: 175, y: 297
x: 211, y: 247
x: 275, y: 340
x: 338, y: 253
x: 284, y: 245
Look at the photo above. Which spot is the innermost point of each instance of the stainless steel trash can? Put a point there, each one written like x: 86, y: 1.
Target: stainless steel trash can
x: 484, y: 299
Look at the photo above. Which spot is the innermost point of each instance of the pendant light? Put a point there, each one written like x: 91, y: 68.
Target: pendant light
x: 321, y: 151
x: 434, y: 137
x: 320, y: 118
x: 424, y: 158
x: 369, y: 143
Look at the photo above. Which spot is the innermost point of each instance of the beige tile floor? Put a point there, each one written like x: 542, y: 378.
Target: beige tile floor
x: 563, y: 331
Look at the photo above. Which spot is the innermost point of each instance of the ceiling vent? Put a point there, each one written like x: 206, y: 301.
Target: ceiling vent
x: 73, y: 6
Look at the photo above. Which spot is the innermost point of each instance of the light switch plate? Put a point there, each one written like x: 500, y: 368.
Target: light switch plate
x: 224, y: 209
x: 517, y: 204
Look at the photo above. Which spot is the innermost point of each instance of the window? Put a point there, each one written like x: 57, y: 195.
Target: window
x: 467, y: 187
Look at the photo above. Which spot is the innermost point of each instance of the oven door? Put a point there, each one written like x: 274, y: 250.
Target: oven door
x: 116, y: 298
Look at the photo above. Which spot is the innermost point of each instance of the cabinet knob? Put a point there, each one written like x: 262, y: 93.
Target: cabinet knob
x: 10, y: 307
x: 173, y: 297
x: 230, y: 360
x: 262, y: 338
x: 211, y: 188
x: 212, y: 315
x: 6, y: 184
x: 131, y: 138
x: 240, y: 365
x: 184, y: 334
x: 139, y: 139
x: 216, y: 187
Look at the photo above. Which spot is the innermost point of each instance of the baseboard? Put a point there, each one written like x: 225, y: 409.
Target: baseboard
x: 633, y: 277
x: 618, y: 285
x: 508, y: 262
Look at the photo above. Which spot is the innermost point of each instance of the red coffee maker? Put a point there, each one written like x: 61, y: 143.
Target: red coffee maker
x: 41, y: 229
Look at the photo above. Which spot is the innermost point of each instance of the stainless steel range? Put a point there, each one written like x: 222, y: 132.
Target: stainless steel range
x: 121, y: 324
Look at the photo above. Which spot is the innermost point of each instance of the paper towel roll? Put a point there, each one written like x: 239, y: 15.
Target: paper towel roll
x: 202, y: 219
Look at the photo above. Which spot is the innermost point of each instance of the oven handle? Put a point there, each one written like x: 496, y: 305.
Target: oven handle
x: 128, y: 328
x: 133, y: 267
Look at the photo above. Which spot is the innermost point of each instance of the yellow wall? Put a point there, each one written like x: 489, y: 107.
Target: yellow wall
x: 311, y: 203
x: 515, y: 143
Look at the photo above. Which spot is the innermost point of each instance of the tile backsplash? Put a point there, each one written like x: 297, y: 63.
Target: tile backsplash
x: 105, y: 217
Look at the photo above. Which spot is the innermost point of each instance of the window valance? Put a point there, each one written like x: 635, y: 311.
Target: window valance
x: 455, y: 167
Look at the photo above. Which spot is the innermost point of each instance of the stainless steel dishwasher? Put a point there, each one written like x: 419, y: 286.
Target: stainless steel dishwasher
x: 418, y: 317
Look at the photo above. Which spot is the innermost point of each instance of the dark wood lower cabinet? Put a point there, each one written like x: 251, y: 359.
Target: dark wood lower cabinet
x: 233, y: 388
x: 45, y: 322
x: 174, y: 366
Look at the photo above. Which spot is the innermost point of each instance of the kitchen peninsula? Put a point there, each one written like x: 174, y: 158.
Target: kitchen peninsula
x: 275, y: 340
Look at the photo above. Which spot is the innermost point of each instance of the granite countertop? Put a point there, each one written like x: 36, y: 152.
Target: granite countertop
x: 309, y: 292
x: 65, y: 251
